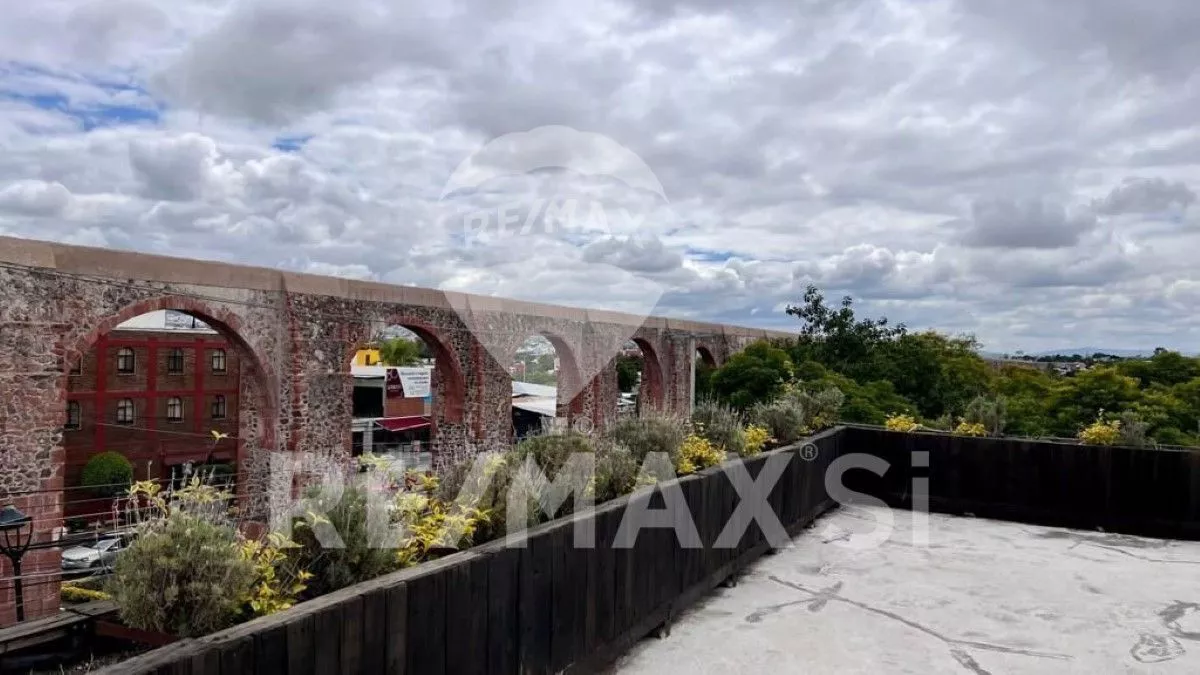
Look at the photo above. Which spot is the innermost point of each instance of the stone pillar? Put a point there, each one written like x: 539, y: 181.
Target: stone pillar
x: 32, y: 377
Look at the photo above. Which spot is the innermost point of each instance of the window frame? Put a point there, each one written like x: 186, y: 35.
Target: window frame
x: 175, y: 357
x: 219, y: 410
x: 124, y: 353
x: 223, y: 357
x: 74, y: 416
x: 123, y: 405
x: 175, y: 402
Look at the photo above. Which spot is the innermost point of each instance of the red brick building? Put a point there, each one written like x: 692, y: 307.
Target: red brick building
x: 154, y: 390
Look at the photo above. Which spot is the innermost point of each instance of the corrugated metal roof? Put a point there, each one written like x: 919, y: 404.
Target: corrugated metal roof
x: 546, y: 407
x: 530, y: 389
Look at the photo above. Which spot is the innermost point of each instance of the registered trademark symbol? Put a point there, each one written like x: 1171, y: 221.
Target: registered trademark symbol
x: 583, y: 425
x: 809, y: 452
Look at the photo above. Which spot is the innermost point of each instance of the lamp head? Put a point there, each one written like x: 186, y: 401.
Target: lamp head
x: 11, y: 518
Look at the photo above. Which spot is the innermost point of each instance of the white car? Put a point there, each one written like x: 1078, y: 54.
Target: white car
x: 98, y: 555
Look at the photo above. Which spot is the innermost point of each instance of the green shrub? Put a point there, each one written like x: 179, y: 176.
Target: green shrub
x: 821, y: 408
x: 1133, y: 430
x: 489, y: 495
x: 943, y: 422
x: 783, y: 418
x: 108, y: 474
x: 357, y: 560
x: 644, y: 435
x: 616, y: 472
x: 433, y: 527
x: 551, y: 451
x: 989, y: 412
x: 182, y: 575
x: 720, y: 424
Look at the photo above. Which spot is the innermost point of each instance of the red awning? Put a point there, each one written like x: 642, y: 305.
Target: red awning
x: 403, y: 423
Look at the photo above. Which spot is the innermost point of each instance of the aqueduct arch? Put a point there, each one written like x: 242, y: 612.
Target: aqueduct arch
x: 296, y: 330
x: 257, y: 406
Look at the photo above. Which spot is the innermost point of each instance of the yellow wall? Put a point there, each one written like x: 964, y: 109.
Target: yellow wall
x: 366, y: 357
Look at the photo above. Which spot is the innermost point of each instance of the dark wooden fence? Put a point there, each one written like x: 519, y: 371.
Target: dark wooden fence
x: 544, y: 607
x: 1148, y: 492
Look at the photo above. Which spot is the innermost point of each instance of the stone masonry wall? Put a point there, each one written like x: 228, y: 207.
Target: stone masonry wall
x: 294, y: 336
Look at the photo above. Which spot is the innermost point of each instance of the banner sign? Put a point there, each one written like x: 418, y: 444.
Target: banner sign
x: 409, y: 382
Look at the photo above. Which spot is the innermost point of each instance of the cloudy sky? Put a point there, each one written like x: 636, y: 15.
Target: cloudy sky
x: 1025, y: 171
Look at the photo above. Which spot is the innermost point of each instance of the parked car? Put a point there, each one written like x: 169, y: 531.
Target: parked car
x: 95, y: 556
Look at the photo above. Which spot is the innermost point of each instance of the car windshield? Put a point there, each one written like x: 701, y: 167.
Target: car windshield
x: 105, y: 544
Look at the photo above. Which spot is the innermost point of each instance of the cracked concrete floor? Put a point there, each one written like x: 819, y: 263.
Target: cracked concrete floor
x: 978, y: 597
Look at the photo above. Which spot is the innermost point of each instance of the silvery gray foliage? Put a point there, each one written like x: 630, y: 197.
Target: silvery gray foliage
x: 990, y: 412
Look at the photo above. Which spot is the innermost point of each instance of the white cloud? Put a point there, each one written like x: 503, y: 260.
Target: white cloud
x: 965, y: 164
x: 35, y: 198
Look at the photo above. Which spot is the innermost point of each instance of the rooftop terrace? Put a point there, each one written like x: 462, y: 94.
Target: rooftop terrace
x: 982, y: 596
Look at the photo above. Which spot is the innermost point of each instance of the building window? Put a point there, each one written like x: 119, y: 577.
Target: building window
x: 77, y: 367
x: 218, y: 361
x: 74, y: 415
x: 125, y: 411
x: 175, y: 409
x: 125, y: 360
x: 218, y: 407
x: 175, y: 361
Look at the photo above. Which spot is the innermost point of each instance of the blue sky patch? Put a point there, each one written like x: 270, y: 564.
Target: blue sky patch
x: 291, y: 143
x: 45, y: 89
x: 708, y: 255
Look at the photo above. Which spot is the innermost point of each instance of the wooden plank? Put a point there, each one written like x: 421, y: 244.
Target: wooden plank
x: 327, y: 639
x: 396, y: 653
x: 563, y: 596
x: 604, y: 594
x: 503, y: 627
x: 691, y: 560
x: 591, y: 561
x: 270, y: 649
x: 237, y: 656
x: 301, y: 645
x: 466, y: 617
x: 374, y: 630
x: 351, y: 635
x: 426, y: 638
x: 206, y: 661
x: 535, y: 604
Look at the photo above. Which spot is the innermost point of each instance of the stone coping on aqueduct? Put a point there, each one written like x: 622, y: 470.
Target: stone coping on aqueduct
x: 117, y: 264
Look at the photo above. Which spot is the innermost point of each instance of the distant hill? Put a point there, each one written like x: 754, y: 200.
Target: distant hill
x: 1088, y: 351
x: 1082, y: 351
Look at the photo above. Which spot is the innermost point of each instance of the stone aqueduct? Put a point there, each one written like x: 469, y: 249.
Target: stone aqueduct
x: 296, y: 334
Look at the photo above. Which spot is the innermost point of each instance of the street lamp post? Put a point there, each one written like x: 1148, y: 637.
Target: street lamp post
x: 14, y: 543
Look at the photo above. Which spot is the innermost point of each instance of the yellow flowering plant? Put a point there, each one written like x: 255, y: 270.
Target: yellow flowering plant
x: 756, y: 439
x: 905, y: 423
x: 1101, y: 432
x: 276, y: 586
x: 697, y: 453
x: 965, y: 428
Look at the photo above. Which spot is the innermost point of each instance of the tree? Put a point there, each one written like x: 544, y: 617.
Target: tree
x: 839, y: 340
x: 1165, y: 367
x: 400, y: 352
x: 940, y: 374
x: 1077, y: 400
x: 757, y: 373
x: 108, y: 474
x: 628, y: 370
x: 702, y: 388
x: 1027, y: 392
